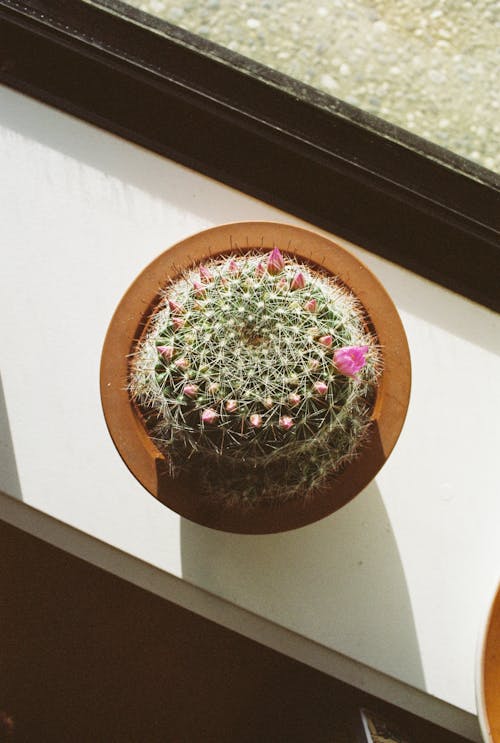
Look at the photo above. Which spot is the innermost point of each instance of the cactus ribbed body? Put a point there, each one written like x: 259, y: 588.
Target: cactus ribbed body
x: 259, y: 371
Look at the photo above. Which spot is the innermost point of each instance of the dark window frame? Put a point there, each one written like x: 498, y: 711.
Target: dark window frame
x: 262, y: 132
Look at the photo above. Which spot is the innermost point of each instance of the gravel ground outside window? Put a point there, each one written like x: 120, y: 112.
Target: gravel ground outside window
x: 429, y: 66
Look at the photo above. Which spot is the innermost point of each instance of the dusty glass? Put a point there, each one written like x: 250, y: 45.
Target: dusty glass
x: 429, y: 66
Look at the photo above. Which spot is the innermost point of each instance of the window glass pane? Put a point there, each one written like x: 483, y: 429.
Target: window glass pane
x: 429, y: 66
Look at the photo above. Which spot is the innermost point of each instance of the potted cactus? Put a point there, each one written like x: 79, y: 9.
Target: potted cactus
x: 254, y: 377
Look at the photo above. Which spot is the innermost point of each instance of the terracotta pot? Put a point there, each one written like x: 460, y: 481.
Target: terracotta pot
x: 488, y: 675
x: 146, y: 462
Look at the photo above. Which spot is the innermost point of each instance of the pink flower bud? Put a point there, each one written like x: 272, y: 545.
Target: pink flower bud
x: 321, y: 388
x: 286, y: 422
x: 178, y: 322
x: 231, y: 406
x: 350, y: 359
x: 205, y: 274
x: 298, y: 281
x: 313, y: 364
x: 190, y: 390
x: 255, y: 420
x: 311, y: 305
x: 275, y: 262
x: 175, y: 306
x: 182, y: 363
x: 233, y: 267
x: 260, y: 269
x: 199, y: 289
x: 213, y: 387
x: 165, y: 352
x: 282, y: 283
x: 326, y: 340
x: 209, y: 415
x: 294, y: 399
x: 268, y: 403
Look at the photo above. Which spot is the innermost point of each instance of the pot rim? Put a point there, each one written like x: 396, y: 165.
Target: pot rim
x: 488, y: 668
x: 124, y: 422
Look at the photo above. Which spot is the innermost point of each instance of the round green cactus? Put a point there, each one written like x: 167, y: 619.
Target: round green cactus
x: 258, y: 370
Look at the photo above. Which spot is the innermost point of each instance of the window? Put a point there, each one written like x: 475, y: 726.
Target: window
x: 268, y: 134
x: 429, y: 66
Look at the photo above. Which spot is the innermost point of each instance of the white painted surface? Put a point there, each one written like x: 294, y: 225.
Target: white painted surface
x: 398, y: 579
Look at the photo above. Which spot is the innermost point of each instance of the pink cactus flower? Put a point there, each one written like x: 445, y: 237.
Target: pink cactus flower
x: 298, y: 281
x: 233, y: 267
x: 275, y: 262
x: 190, y: 390
x: 321, y: 388
x: 350, y: 359
x: 286, y: 422
x: 294, y: 399
x: 178, y: 322
x: 311, y: 305
x: 326, y: 340
x: 182, y: 363
x: 199, y: 289
x: 166, y: 352
x: 175, y: 306
x: 231, y: 406
x: 209, y: 415
x: 255, y: 420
